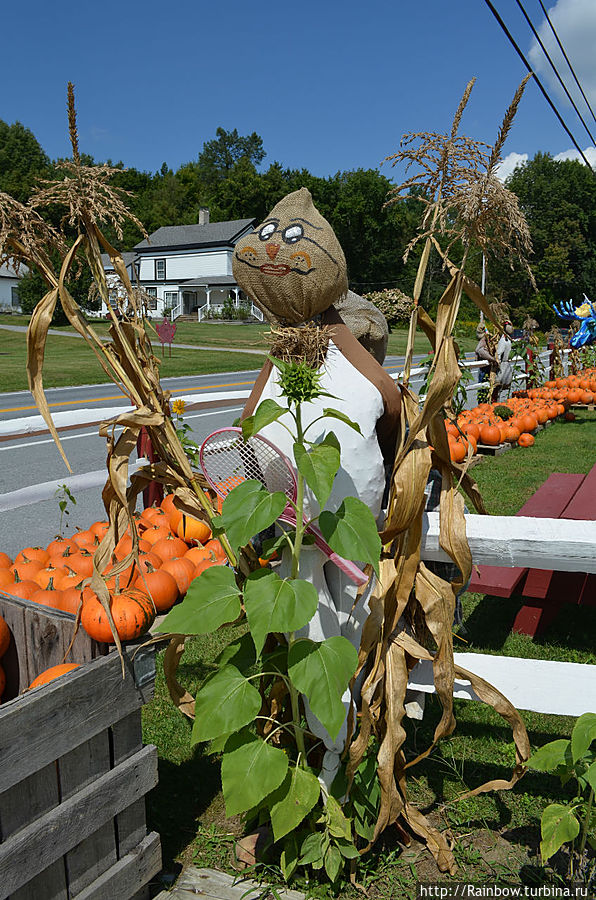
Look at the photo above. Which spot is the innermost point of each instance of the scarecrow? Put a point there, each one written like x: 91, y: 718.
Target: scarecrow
x: 292, y: 267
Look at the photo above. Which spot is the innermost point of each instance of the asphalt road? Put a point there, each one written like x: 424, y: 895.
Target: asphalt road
x: 33, y: 460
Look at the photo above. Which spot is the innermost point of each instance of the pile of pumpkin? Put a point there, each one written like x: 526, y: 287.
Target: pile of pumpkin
x: 173, y: 550
x: 492, y: 424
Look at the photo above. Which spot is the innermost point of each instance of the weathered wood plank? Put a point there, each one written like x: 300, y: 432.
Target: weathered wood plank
x: 47, y: 639
x: 39, y: 844
x: 95, y: 854
x: 214, y: 885
x: 28, y: 800
x: 538, y: 685
x: 15, y: 661
x: 124, y: 878
x: 73, y: 710
x: 518, y: 541
x: 131, y: 823
x: 49, y: 885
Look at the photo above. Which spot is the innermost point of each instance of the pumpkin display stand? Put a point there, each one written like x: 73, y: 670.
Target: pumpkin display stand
x: 73, y: 768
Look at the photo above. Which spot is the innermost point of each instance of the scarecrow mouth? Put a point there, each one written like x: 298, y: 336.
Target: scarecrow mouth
x: 272, y: 269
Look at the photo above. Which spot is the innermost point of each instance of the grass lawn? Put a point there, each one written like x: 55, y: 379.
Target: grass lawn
x: 238, y: 336
x: 497, y: 833
x: 69, y: 361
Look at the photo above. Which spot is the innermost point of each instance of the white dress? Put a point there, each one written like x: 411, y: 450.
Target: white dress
x: 361, y: 474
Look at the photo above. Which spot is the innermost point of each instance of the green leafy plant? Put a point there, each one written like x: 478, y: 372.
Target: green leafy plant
x: 252, y: 708
x: 503, y: 412
x: 65, y: 499
x: 573, y: 823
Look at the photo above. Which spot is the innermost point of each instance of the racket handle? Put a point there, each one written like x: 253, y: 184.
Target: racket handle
x: 348, y: 568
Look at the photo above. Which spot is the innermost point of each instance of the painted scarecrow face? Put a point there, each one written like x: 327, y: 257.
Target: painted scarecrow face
x: 291, y: 265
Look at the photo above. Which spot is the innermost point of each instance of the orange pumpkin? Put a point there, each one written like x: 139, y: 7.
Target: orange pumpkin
x: 99, y: 530
x: 472, y: 429
x: 169, y: 547
x: 5, y: 561
x: 4, y: 636
x: 23, y: 589
x: 132, y: 611
x: 457, y: 451
x: 215, y: 547
x: 512, y: 434
x: 191, y: 529
x: 162, y: 588
x: 30, y: 553
x: 199, y: 555
x: 48, y: 575
x: 183, y: 571
x: 526, y: 440
x: 7, y: 579
x: 82, y: 563
x: 528, y: 422
x: 155, y: 533
x: 85, y: 540
x: 61, y: 547
x: 70, y: 600
x: 47, y: 597
x: 26, y: 571
x: 51, y: 674
x: 490, y: 435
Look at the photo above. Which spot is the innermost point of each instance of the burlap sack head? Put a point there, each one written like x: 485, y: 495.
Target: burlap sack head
x: 366, y: 322
x: 291, y: 266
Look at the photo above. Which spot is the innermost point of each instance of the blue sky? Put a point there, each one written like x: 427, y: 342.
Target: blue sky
x: 329, y: 85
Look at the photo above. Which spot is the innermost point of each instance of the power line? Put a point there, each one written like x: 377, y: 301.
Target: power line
x: 539, y: 83
x: 554, y: 68
x: 562, y: 49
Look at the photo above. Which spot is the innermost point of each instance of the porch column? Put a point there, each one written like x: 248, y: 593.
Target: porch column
x: 208, y: 292
x: 237, y: 295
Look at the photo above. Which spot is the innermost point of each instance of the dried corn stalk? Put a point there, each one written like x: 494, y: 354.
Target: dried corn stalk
x: 412, y: 608
x: 127, y: 358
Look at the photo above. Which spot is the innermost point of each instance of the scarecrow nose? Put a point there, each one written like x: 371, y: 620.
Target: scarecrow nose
x: 272, y: 250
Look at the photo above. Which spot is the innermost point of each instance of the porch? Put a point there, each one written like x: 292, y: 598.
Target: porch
x: 201, y: 297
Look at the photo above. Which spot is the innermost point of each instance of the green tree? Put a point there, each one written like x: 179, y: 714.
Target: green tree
x: 22, y: 160
x: 219, y: 156
x: 559, y: 201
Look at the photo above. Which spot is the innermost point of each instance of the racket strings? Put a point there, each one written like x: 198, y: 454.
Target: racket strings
x: 228, y: 461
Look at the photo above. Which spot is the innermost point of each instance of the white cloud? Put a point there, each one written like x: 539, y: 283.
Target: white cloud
x: 589, y: 153
x: 506, y: 167
x: 575, y: 23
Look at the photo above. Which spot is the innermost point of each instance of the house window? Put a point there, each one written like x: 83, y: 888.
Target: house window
x: 152, y: 292
x: 160, y: 270
x: 14, y: 296
x: 170, y: 299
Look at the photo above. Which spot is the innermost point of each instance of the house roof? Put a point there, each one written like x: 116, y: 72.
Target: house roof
x: 177, y: 237
x: 107, y: 262
x: 210, y: 280
x: 7, y: 271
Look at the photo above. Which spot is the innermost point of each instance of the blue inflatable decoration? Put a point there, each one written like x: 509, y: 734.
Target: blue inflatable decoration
x: 586, y: 314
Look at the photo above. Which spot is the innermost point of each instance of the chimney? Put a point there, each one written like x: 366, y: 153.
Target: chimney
x: 203, y: 215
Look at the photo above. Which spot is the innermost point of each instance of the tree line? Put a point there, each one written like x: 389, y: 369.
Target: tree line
x: 230, y: 178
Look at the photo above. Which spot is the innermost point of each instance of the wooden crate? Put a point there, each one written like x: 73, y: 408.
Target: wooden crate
x: 41, y: 637
x: 73, y: 770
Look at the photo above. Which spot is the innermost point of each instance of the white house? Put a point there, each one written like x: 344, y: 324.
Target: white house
x: 9, y: 287
x: 188, y: 268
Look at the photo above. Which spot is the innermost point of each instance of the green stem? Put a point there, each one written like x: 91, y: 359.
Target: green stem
x: 586, y: 824
x: 295, y: 573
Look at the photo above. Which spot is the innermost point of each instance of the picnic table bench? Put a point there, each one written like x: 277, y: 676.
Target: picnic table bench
x: 562, y: 496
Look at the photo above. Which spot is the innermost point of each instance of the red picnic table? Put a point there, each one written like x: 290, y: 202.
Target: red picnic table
x: 562, y: 496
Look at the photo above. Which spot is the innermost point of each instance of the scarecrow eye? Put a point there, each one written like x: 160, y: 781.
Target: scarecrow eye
x: 267, y: 231
x: 293, y: 233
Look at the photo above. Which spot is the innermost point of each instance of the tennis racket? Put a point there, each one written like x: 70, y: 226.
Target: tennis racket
x: 227, y: 460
